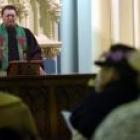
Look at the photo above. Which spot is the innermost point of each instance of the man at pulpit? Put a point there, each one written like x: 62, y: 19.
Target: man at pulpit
x: 16, y: 42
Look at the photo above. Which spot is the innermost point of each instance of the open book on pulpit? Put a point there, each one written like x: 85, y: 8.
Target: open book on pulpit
x: 18, y: 68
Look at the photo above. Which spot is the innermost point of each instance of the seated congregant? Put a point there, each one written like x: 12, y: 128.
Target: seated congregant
x: 115, y: 84
x: 123, y: 123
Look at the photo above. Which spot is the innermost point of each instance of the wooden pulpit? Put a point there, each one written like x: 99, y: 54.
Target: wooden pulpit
x: 23, y: 68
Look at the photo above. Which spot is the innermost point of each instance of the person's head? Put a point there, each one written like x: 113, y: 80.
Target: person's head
x: 115, y: 67
x: 9, y: 15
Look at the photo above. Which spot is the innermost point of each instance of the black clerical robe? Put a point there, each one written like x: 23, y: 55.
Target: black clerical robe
x: 33, y: 49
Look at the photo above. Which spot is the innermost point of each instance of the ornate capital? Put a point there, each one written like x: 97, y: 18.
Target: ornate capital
x: 54, y: 8
x: 51, y: 51
x: 23, y: 6
x: 50, y: 48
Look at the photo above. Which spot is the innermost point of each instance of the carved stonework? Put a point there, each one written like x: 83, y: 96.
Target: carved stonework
x: 24, y: 6
x: 54, y: 8
x: 50, y: 45
x: 50, y: 49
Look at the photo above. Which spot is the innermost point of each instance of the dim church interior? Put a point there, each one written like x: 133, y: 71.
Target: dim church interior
x: 46, y: 96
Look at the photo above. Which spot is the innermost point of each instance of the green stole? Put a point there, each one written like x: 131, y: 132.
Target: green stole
x: 21, y: 44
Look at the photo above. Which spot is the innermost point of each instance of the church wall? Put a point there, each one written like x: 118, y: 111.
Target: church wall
x: 68, y: 34
x: 84, y: 36
x: 76, y: 36
x: 114, y: 21
x: 101, y: 31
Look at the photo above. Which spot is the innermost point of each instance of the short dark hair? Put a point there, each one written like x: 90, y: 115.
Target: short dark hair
x: 10, y: 7
x: 117, y: 57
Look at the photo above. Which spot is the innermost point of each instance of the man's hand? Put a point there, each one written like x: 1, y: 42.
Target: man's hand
x: 42, y: 72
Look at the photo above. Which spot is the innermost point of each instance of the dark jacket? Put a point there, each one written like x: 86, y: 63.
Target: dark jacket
x: 88, y: 115
x: 34, y: 50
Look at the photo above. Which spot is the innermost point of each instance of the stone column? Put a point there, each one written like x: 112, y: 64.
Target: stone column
x: 126, y: 21
x: 137, y: 23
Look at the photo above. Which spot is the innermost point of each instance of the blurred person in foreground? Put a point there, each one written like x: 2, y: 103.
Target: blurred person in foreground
x: 16, y: 116
x: 115, y: 84
x: 123, y: 122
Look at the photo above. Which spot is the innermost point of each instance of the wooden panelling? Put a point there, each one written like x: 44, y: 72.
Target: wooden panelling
x: 47, y: 96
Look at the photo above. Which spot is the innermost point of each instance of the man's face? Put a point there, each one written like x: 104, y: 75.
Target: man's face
x: 105, y: 76
x: 9, y: 17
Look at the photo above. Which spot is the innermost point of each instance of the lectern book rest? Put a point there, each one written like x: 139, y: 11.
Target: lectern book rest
x: 18, y: 68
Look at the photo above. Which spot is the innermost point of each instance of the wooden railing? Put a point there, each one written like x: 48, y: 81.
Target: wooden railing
x: 47, y: 96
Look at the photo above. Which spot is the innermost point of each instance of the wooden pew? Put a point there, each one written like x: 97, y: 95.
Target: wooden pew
x: 47, y: 96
